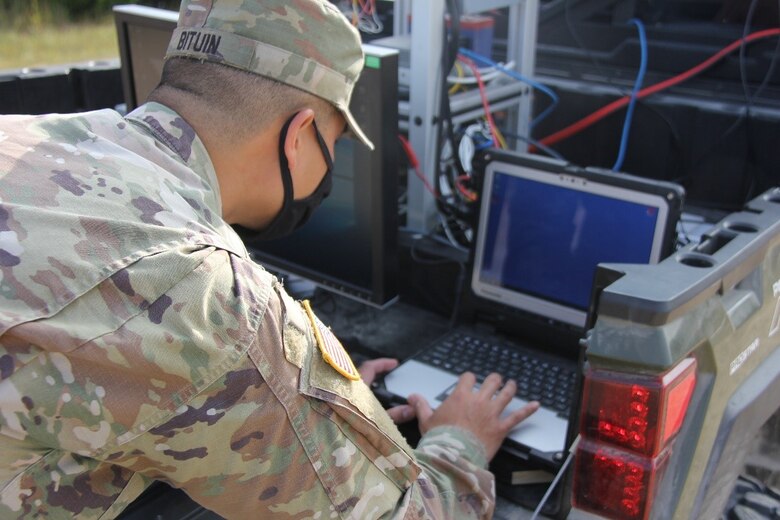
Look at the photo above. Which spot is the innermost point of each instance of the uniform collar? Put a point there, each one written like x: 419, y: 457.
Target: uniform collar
x: 172, y: 130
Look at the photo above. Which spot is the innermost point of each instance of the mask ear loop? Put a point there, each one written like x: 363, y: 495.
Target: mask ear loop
x: 285, y: 166
x: 323, y: 146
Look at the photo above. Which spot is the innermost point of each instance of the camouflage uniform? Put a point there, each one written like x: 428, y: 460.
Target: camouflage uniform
x: 139, y: 342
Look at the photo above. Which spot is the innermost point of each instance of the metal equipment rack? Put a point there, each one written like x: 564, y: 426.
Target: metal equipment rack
x: 419, y: 114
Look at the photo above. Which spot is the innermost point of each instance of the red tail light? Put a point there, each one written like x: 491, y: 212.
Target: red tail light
x: 627, y: 423
x: 615, y: 483
x: 639, y: 414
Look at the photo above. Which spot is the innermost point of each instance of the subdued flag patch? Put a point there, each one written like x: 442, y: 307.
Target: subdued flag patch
x: 332, y: 351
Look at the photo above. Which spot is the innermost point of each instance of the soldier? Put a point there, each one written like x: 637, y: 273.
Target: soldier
x: 139, y: 341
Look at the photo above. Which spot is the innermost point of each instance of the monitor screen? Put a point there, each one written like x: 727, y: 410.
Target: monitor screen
x: 349, y: 245
x: 542, y: 235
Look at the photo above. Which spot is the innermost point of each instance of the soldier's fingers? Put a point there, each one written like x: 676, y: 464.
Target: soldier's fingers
x: 466, y: 383
x: 401, y: 413
x: 421, y: 407
x: 517, y: 416
x: 490, y: 385
x: 506, y: 394
x: 373, y: 367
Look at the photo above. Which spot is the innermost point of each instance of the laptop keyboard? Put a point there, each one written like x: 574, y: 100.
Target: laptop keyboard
x: 538, y: 379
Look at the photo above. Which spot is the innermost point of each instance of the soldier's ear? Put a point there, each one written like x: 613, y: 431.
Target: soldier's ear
x: 294, y: 143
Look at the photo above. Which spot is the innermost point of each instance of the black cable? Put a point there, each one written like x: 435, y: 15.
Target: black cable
x: 447, y: 62
x: 453, y: 42
x: 454, y: 210
x: 750, y: 158
x: 744, y: 115
x: 742, y: 49
x: 677, y: 145
x: 600, y: 68
x: 575, y: 35
x: 444, y: 127
x: 770, y: 70
x: 755, y: 182
x: 750, y: 180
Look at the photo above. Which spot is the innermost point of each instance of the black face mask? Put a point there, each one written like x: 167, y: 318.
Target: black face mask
x: 295, y: 213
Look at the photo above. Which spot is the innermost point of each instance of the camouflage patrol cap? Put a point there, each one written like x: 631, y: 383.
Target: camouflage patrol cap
x: 307, y: 44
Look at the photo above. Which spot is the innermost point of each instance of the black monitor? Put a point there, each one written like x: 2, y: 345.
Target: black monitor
x: 143, y: 34
x: 350, y: 245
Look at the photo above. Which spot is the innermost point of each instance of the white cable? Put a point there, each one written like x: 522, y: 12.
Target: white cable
x: 554, y: 483
x: 448, y: 231
x: 444, y: 188
x: 471, y: 80
x: 466, y: 148
x: 487, y: 73
x: 371, y: 25
x: 466, y: 152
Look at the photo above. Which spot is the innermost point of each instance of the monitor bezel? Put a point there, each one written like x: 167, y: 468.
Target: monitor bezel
x: 142, y: 16
x: 558, y: 173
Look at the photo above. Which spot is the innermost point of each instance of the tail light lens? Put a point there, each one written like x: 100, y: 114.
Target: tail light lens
x: 627, y: 422
x: 615, y: 483
x: 636, y: 413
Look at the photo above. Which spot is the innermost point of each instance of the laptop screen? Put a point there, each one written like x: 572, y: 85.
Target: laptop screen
x: 541, y: 234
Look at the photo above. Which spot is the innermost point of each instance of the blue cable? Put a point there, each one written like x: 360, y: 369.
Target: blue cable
x: 509, y: 72
x: 640, y: 77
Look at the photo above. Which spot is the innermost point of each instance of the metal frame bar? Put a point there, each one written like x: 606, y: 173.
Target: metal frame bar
x: 427, y: 32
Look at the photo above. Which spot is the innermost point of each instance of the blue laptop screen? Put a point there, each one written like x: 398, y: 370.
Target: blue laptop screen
x: 545, y: 239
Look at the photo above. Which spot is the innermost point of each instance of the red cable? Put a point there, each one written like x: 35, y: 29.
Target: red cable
x: 415, y: 164
x: 470, y: 195
x: 604, y: 111
x: 483, y: 95
x: 366, y: 6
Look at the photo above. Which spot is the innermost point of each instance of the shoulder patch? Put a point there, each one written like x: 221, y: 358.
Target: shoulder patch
x: 331, y: 349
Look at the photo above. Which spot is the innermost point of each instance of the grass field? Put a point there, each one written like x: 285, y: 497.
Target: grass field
x: 53, y: 45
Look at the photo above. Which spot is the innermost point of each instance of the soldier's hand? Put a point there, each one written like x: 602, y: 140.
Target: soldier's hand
x: 369, y: 370
x: 376, y: 367
x: 481, y: 411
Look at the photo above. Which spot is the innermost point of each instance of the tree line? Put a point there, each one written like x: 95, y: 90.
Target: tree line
x: 31, y: 13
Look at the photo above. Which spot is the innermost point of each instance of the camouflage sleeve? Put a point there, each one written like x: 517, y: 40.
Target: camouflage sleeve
x: 282, y: 434
x: 193, y: 367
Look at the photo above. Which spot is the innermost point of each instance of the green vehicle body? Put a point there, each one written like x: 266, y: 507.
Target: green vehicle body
x: 719, y: 302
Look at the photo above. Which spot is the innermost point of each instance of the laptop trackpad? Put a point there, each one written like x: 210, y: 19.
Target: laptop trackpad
x: 544, y: 431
